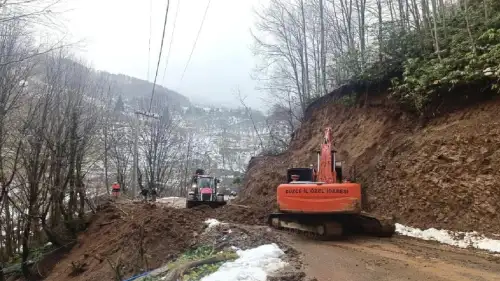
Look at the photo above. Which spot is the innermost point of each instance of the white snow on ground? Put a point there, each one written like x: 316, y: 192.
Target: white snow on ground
x: 212, y: 222
x: 252, y: 265
x: 459, y: 239
x: 175, y: 202
x: 169, y: 198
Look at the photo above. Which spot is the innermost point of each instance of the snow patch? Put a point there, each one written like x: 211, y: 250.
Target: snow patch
x: 169, y: 199
x: 172, y: 198
x: 212, y: 222
x: 175, y: 202
x: 459, y: 239
x: 252, y: 265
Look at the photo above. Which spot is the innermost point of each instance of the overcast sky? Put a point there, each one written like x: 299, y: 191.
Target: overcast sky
x: 116, y: 34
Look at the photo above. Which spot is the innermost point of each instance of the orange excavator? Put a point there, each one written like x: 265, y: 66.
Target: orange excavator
x: 321, y: 202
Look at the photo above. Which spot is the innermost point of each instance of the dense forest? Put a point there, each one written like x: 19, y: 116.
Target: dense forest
x: 423, y: 49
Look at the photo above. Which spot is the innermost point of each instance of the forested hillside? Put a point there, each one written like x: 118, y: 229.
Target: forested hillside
x: 413, y: 107
x: 425, y: 51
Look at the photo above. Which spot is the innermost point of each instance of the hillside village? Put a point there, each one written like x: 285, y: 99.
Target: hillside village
x: 219, y: 139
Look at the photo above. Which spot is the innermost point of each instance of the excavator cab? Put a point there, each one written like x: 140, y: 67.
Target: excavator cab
x: 304, y: 175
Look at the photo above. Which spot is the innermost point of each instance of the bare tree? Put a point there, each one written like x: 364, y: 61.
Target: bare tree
x: 121, y: 151
x: 248, y: 111
x: 13, y: 82
x: 159, y: 139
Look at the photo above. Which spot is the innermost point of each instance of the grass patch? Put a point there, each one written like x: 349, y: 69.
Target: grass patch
x: 194, y: 265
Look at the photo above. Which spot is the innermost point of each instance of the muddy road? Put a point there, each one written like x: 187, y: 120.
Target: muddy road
x: 395, y: 259
x: 386, y: 259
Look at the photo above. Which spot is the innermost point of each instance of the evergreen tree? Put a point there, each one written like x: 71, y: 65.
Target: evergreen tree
x: 120, y: 106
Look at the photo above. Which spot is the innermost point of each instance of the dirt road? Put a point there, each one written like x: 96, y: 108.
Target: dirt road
x: 395, y: 259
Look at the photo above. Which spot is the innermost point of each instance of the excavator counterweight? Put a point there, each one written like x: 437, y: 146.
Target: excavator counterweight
x: 322, y: 202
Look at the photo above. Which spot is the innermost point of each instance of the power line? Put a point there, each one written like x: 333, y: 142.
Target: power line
x: 159, y: 56
x: 171, y: 39
x: 198, y: 35
x: 150, y: 31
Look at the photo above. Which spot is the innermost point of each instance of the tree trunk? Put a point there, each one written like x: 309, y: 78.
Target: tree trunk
x: 323, y: 54
x: 9, y: 251
x: 106, y: 150
x: 306, y: 85
x: 32, y: 197
x: 436, y: 37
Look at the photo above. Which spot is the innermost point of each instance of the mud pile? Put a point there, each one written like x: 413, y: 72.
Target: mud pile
x: 136, y: 237
x: 241, y: 215
x: 444, y: 174
x: 131, y: 237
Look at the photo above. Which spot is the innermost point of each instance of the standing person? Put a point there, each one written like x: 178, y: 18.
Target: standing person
x: 153, y: 194
x: 144, y: 193
x: 116, y: 189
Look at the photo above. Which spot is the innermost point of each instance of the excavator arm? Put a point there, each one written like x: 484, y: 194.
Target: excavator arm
x: 326, y: 171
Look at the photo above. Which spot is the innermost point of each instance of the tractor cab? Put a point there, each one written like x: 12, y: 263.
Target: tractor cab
x: 204, y: 190
x: 205, y: 187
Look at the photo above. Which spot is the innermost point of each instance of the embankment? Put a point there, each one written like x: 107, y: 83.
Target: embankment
x: 443, y: 174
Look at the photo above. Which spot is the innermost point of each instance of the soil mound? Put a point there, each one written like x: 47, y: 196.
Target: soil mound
x: 137, y: 237
x: 444, y: 174
x: 241, y: 215
x: 131, y: 237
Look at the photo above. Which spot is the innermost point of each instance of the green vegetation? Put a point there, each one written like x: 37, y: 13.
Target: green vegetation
x: 237, y: 181
x: 35, y: 255
x: 468, y: 53
x: 421, y: 49
x: 194, y: 264
x: 200, y: 253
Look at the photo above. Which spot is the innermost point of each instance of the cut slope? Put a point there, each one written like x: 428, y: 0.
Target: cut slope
x: 442, y: 175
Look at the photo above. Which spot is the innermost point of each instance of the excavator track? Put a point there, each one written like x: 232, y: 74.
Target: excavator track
x: 332, y: 227
x: 376, y: 226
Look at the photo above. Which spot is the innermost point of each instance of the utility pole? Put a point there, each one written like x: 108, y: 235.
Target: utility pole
x: 135, y: 183
x: 135, y: 165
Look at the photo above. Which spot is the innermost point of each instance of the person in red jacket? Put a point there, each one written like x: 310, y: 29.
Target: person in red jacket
x: 116, y: 189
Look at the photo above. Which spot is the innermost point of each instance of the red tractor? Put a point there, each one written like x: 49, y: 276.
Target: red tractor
x: 204, y: 191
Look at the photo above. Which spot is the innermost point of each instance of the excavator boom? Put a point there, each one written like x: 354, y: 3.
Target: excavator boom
x: 323, y: 203
x: 326, y: 173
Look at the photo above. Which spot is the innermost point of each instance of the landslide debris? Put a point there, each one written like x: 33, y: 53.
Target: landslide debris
x: 241, y: 215
x: 133, y: 237
x: 444, y: 174
x: 137, y: 237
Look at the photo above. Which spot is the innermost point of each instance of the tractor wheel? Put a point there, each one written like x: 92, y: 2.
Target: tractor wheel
x: 220, y: 198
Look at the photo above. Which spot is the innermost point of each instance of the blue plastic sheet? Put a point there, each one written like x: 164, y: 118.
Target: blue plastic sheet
x: 137, y: 276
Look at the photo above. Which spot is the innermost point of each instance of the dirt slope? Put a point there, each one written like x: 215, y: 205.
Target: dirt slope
x: 442, y: 175
x: 120, y: 232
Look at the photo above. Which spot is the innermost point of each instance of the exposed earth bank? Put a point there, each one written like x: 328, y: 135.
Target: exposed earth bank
x: 137, y: 237
x: 443, y: 174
